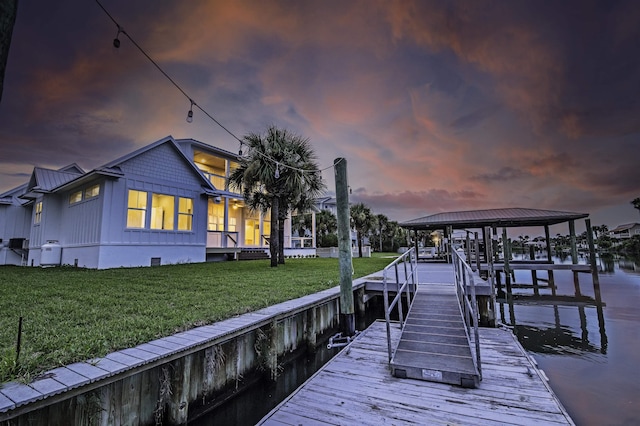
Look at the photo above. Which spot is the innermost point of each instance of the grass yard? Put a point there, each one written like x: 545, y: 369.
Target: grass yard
x: 72, y: 315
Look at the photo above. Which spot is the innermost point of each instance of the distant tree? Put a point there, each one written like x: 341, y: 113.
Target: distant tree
x: 301, y: 223
x: 636, y: 204
x: 363, y: 221
x: 398, y: 235
x: 383, y: 224
x: 326, y: 225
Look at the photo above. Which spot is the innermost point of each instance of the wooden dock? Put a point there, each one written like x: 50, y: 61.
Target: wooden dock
x: 356, y: 387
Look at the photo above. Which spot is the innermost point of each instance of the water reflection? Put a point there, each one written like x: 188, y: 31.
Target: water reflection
x: 557, y: 338
x: 559, y: 323
x: 629, y: 265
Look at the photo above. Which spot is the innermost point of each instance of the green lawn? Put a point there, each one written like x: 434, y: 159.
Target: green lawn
x: 71, y: 315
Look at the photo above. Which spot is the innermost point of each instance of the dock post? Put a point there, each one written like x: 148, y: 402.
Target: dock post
x: 477, y: 248
x: 347, y: 311
x: 592, y: 262
x: 507, y: 252
x: 550, y: 282
x: 574, y: 257
x: 491, y: 275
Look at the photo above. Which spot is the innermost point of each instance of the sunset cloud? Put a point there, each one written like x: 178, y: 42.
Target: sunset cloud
x: 436, y: 105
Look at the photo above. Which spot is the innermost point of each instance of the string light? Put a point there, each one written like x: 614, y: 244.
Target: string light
x: 116, y: 41
x: 116, y: 44
x: 190, y: 113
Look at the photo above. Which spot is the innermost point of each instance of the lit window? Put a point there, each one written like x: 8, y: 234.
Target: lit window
x: 38, y: 216
x: 162, y: 211
x: 185, y: 214
x: 75, y: 197
x: 216, y: 216
x: 136, y: 209
x: 92, y: 191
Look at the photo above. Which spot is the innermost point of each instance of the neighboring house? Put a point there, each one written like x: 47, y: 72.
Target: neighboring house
x: 625, y: 231
x: 168, y: 202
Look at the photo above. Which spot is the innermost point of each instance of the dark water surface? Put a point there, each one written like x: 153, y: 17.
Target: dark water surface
x: 592, y: 360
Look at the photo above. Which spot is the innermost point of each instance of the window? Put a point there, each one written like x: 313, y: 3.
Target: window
x: 216, y: 216
x: 136, y: 209
x: 162, y: 211
x: 92, y: 191
x: 38, y: 212
x: 75, y: 197
x: 185, y: 214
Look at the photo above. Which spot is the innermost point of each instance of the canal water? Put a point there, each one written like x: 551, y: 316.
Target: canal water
x: 591, y: 354
x: 255, y: 401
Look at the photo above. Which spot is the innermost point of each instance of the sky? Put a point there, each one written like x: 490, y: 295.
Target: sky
x: 437, y: 106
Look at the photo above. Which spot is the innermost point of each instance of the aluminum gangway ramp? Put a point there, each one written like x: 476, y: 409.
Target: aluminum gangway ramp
x: 434, y: 344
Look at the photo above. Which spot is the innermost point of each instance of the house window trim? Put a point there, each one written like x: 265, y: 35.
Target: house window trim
x: 84, y: 195
x: 174, y: 217
x: 188, y: 214
x: 144, y: 210
x: 37, y: 217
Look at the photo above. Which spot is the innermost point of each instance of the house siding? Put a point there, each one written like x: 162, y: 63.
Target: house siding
x: 162, y: 163
x: 81, y: 221
x: 14, y: 223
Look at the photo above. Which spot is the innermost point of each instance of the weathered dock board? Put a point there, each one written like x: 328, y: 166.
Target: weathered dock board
x: 356, y: 387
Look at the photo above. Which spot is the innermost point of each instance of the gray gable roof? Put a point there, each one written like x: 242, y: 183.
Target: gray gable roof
x: 116, y: 164
x: 47, y: 180
x: 625, y: 227
x: 508, y: 217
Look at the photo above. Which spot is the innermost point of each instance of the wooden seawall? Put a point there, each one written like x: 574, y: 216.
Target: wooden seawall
x: 166, y: 380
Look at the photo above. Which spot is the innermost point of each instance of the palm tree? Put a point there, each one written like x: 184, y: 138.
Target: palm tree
x: 383, y: 225
x: 9, y: 10
x: 636, y: 204
x: 363, y: 221
x: 326, y: 223
x: 278, y: 173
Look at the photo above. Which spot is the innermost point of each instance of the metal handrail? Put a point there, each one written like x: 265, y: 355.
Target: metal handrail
x: 466, y: 292
x: 410, y: 277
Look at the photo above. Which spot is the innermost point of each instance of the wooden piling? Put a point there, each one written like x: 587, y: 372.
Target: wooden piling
x: 347, y: 311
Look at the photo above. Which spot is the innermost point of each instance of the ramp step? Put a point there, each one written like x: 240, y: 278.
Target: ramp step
x: 434, y: 345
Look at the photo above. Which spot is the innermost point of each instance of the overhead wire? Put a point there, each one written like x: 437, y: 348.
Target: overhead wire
x: 195, y: 104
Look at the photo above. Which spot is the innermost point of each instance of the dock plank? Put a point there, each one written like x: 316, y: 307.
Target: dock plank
x: 356, y: 387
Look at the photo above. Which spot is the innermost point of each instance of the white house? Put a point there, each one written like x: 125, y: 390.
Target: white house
x: 626, y: 231
x: 168, y: 202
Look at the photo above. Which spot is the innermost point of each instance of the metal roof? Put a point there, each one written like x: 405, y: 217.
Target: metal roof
x: 46, y: 179
x: 509, y: 217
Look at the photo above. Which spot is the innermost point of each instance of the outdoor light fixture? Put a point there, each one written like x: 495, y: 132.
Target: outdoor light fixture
x: 116, y: 41
x: 190, y: 113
